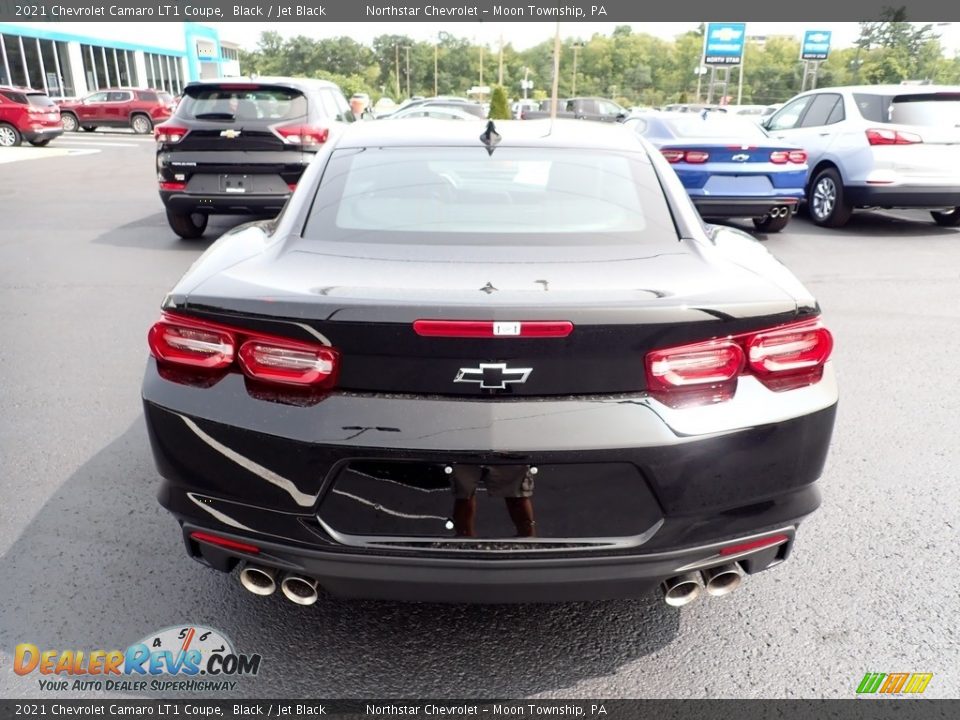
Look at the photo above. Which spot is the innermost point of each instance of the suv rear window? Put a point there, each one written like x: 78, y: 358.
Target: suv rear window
x: 926, y: 109
x: 517, y: 196
x: 35, y: 99
x: 213, y: 102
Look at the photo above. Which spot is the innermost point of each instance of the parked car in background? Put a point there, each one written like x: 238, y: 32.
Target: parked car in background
x: 117, y: 108
x: 729, y: 166
x: 693, y: 108
x: 429, y: 110
x: 520, y: 106
x: 581, y: 108
x: 384, y: 106
x: 239, y: 147
x: 27, y: 114
x: 377, y: 395
x: 467, y: 106
x: 890, y: 146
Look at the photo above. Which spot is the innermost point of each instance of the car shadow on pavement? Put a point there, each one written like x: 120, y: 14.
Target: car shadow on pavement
x: 153, y: 233
x: 102, y: 565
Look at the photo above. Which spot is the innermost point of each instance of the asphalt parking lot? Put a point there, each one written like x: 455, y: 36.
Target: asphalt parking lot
x: 89, y: 560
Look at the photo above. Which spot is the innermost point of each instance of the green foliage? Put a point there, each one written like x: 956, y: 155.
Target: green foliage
x: 499, y: 107
x: 634, y: 67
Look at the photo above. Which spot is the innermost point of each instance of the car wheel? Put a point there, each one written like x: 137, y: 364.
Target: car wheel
x: 825, y: 200
x: 89, y: 128
x: 9, y: 136
x: 948, y: 218
x: 41, y: 143
x: 768, y: 224
x: 141, y: 124
x: 189, y: 226
x: 68, y: 121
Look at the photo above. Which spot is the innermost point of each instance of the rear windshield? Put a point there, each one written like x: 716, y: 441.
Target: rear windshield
x: 927, y: 109
x: 35, y: 99
x: 215, y: 102
x: 166, y: 98
x: 516, y: 196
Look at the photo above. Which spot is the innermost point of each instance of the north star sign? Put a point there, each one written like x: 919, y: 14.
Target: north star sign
x: 816, y: 45
x: 724, y: 43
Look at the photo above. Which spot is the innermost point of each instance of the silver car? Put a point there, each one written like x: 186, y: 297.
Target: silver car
x: 877, y: 146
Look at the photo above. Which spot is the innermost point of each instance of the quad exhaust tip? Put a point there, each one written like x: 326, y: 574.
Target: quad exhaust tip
x: 722, y: 579
x: 682, y: 589
x: 299, y: 589
x: 259, y: 580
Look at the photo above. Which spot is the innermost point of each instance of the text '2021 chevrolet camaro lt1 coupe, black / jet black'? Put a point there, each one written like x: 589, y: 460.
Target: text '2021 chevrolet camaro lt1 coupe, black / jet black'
x: 471, y: 363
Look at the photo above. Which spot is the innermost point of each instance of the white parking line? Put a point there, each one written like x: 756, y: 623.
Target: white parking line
x: 73, y: 143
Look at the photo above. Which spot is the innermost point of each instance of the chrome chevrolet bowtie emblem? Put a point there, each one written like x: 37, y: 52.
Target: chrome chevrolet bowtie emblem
x: 493, y: 376
x: 230, y: 134
x: 740, y: 157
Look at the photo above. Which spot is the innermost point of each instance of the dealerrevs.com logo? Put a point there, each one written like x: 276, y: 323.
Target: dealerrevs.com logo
x: 187, y: 659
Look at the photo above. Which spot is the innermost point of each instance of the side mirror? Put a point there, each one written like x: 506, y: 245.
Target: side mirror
x: 621, y: 116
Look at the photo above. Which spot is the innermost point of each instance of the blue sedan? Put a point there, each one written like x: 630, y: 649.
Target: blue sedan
x: 729, y: 166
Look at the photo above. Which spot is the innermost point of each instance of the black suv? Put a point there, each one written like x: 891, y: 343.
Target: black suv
x: 240, y: 146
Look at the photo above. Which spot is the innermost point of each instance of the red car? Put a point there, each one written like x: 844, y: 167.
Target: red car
x: 29, y: 115
x: 118, y: 108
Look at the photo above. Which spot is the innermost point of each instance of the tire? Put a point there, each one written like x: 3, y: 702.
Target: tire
x: 950, y: 218
x: 89, y: 128
x: 825, y: 200
x: 69, y: 122
x: 769, y: 224
x: 141, y: 124
x: 9, y: 136
x: 189, y: 226
x: 41, y: 143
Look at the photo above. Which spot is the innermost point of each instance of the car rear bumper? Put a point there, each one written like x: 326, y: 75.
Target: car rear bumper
x: 742, y: 207
x: 904, y: 196
x: 224, y: 204
x: 628, y: 491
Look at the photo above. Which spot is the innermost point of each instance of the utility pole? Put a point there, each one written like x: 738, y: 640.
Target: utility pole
x: 556, y: 75
x: 436, y: 58
x: 481, y: 66
x: 396, y: 65
x: 526, y: 80
x: 576, y: 49
x: 500, y: 72
x: 407, y: 48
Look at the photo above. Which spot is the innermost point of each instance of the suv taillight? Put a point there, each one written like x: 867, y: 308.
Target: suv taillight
x: 882, y: 136
x: 190, y: 343
x: 299, y: 134
x: 169, y: 134
x: 782, y: 358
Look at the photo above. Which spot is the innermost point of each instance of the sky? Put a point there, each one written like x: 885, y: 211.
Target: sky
x: 523, y: 35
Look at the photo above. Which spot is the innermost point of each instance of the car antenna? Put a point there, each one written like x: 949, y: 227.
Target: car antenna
x: 490, y: 137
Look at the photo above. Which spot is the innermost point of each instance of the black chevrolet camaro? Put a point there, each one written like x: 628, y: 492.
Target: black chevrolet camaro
x: 489, y: 364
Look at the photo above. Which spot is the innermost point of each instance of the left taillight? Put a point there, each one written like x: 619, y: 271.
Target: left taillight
x: 782, y: 157
x: 177, y: 341
x: 782, y: 358
x: 182, y: 342
x: 298, y: 134
x: 169, y: 134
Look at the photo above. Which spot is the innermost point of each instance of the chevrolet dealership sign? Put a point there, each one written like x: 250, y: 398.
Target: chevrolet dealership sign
x: 724, y: 43
x: 816, y: 45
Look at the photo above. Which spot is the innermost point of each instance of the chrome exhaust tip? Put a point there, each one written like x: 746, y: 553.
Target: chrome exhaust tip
x: 299, y: 589
x: 681, y: 590
x: 722, y: 579
x: 259, y: 580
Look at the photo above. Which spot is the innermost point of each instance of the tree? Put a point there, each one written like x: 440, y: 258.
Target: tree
x: 499, y: 108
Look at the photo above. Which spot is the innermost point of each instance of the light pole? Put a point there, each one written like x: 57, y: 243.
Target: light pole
x: 436, y: 58
x: 576, y: 48
x: 396, y: 67
x: 481, y: 66
x: 407, y: 48
x: 500, y: 70
x: 526, y: 81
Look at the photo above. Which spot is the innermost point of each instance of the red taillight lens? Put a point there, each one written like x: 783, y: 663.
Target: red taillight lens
x: 224, y: 542
x: 172, y: 186
x: 696, y: 156
x: 789, y: 357
x: 291, y: 364
x: 492, y: 329
x: 169, y: 134
x: 782, y: 358
x: 754, y: 545
x: 291, y: 186
x: 672, y: 156
x: 779, y: 157
x: 883, y: 136
x: 797, y: 156
x: 302, y: 134
x: 186, y: 343
x: 179, y: 341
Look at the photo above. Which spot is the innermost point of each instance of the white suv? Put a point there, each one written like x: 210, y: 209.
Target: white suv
x: 877, y: 146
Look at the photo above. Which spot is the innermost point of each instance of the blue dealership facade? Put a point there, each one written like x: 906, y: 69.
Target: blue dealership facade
x: 70, y: 59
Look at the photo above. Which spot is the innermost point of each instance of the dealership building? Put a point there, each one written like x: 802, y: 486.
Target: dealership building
x: 71, y: 59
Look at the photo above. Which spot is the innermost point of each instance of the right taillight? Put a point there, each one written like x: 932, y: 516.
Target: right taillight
x: 782, y: 358
x: 169, y: 134
x: 884, y: 136
x: 181, y: 342
x: 299, y: 134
